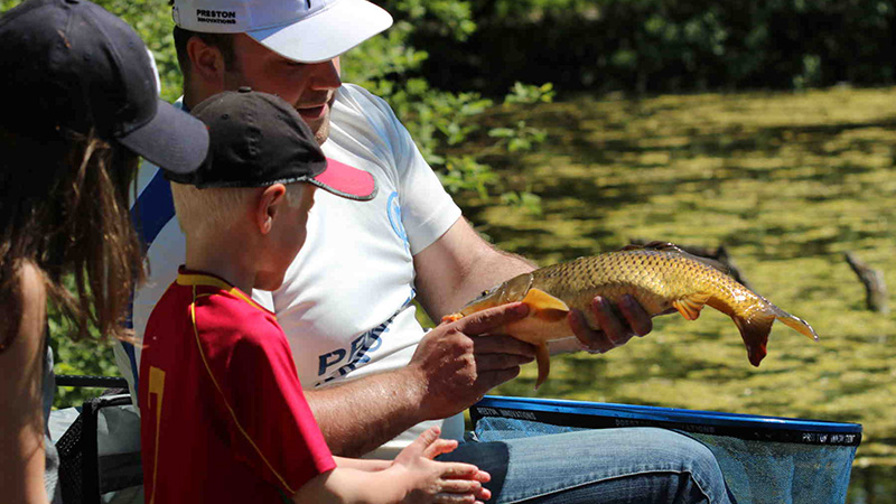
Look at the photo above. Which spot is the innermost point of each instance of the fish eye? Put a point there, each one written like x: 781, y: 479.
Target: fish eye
x: 483, y: 293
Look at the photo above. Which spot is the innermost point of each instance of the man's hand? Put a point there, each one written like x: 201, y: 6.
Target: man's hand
x: 460, y: 361
x: 616, y: 327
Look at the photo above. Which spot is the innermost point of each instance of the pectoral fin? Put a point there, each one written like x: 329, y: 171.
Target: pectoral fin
x: 543, y: 357
x: 690, y: 306
x: 545, y: 306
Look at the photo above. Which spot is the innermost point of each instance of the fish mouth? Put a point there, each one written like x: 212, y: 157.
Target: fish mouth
x: 754, y: 331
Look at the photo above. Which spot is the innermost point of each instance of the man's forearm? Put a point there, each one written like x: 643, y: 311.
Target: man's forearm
x: 359, y: 416
x: 459, y: 266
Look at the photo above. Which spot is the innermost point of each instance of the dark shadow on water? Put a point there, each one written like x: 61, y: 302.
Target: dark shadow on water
x: 872, y: 485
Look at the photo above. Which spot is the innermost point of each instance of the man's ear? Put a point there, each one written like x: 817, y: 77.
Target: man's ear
x: 206, y: 62
x: 268, y: 205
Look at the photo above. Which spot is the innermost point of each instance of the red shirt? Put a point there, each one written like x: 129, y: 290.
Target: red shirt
x: 223, y: 417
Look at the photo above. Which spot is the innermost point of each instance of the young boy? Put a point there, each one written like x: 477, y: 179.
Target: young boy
x: 223, y: 414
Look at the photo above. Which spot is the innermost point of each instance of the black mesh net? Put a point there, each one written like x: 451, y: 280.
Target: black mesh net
x: 70, y: 462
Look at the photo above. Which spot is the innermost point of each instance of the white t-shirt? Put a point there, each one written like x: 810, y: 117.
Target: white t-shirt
x: 345, y: 304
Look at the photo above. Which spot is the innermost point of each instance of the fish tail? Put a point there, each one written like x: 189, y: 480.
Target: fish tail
x: 794, y: 322
x: 754, y: 331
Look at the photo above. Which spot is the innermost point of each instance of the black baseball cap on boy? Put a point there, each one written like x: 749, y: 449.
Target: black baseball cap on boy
x: 71, y: 65
x: 258, y: 139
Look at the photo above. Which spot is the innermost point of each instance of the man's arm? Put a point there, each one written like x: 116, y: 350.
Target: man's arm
x: 358, y: 416
x: 453, y: 367
x: 459, y: 266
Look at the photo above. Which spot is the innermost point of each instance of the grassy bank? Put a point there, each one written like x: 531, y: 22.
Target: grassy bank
x: 787, y: 182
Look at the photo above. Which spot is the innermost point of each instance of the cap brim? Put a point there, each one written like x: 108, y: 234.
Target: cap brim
x: 173, y: 140
x: 327, y: 34
x: 346, y: 181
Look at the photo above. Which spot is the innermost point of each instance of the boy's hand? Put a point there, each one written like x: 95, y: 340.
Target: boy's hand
x: 439, y: 482
x: 458, y: 362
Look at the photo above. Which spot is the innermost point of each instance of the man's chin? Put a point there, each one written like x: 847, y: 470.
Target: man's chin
x: 321, y: 131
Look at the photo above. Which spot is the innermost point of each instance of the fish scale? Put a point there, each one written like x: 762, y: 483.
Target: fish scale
x: 660, y: 276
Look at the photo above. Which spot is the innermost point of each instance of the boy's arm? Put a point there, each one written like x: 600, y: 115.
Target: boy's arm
x: 348, y: 486
x: 353, y: 486
x: 362, y: 464
x: 413, y: 477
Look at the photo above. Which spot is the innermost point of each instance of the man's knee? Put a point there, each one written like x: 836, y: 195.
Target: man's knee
x: 690, y: 459
x: 683, y: 448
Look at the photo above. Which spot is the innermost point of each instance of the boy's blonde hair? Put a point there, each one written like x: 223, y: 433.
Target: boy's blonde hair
x: 209, y: 210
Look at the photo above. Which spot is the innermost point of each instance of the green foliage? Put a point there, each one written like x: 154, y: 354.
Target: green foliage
x: 527, y: 200
x: 529, y: 95
x: 91, y: 356
x: 519, y: 138
x: 88, y: 357
x: 668, y: 45
x: 389, y: 66
x: 464, y: 173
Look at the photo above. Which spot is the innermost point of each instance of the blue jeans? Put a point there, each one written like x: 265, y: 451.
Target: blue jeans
x: 635, y: 465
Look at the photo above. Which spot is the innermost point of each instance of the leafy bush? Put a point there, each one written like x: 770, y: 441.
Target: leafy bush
x: 667, y: 45
x: 390, y: 66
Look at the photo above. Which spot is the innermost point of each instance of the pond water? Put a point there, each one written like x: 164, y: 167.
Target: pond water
x: 872, y: 485
x: 787, y: 183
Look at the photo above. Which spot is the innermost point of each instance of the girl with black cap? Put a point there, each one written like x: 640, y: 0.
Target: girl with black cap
x: 82, y: 104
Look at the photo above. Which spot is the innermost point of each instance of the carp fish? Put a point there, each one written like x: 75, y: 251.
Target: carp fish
x: 660, y: 276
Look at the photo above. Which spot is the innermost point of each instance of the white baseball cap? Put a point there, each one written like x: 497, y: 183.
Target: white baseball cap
x: 307, y: 31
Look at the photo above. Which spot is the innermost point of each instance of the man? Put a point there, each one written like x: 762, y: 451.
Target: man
x: 373, y: 378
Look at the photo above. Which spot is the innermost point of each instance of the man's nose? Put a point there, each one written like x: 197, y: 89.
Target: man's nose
x: 326, y: 75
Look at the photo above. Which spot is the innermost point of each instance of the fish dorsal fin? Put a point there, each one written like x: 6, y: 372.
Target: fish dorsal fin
x: 662, y: 246
x: 544, y: 305
x: 655, y: 245
x: 690, y: 306
x: 712, y: 263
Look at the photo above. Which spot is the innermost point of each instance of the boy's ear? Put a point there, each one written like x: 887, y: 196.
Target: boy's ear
x: 206, y: 62
x: 269, y: 203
